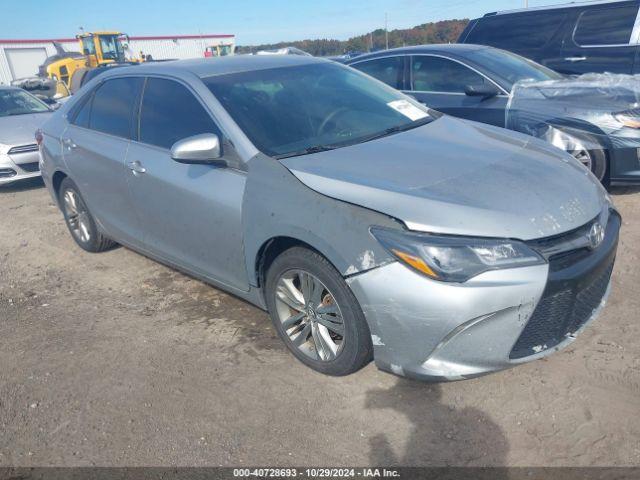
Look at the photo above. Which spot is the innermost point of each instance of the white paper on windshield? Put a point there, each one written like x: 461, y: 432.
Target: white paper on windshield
x: 407, y: 109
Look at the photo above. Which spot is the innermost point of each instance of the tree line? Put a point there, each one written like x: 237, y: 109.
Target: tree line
x: 446, y: 31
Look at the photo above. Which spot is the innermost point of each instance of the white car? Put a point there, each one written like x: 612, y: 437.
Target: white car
x: 21, y: 114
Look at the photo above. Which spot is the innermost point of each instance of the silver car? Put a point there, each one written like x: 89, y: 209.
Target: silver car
x: 369, y: 226
x: 21, y: 114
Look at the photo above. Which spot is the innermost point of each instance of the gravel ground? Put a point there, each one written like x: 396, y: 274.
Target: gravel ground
x: 113, y: 360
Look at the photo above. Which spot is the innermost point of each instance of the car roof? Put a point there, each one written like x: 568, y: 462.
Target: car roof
x: 461, y: 49
x: 207, y: 67
x: 578, y: 4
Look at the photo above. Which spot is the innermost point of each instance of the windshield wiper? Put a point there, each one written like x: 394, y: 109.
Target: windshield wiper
x: 397, y: 129
x: 384, y: 133
x: 307, y: 151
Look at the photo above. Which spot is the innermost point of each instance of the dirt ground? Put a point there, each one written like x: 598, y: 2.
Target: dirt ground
x: 112, y: 359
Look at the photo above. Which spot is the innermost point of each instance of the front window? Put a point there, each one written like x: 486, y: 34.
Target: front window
x: 513, y: 67
x: 88, y: 47
x: 111, y: 48
x: 291, y: 111
x: 441, y: 75
x: 19, y: 102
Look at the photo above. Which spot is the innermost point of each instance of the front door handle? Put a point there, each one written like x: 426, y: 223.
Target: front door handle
x: 575, y: 59
x: 136, y: 167
x: 67, y: 142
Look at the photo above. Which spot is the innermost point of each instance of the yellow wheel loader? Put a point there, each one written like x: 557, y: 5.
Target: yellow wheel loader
x: 96, y: 49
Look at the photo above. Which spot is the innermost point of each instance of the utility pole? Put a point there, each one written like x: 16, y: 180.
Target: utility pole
x: 386, y: 30
x: 526, y: 3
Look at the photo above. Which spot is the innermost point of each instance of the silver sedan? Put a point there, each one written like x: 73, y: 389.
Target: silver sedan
x: 368, y: 225
x: 21, y: 114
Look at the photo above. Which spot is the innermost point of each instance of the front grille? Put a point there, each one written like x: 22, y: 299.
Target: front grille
x: 24, y: 149
x: 560, y: 314
x: 577, y: 283
x: 30, y: 167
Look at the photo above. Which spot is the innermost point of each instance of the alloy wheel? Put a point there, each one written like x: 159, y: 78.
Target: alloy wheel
x: 584, y: 157
x: 77, y: 216
x: 310, y: 315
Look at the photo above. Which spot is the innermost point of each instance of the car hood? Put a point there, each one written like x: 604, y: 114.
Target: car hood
x: 462, y: 178
x: 20, y: 129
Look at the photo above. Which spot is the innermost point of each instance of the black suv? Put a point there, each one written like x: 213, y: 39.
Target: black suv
x: 572, y: 39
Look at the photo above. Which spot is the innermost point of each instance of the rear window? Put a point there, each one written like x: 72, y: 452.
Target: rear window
x: 517, y: 32
x: 388, y: 70
x: 113, y: 105
x: 606, y: 26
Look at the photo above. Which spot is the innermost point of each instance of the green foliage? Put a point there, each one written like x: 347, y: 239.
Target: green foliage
x: 446, y: 31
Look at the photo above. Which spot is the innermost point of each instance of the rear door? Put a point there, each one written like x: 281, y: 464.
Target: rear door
x: 441, y: 83
x: 191, y: 214
x: 95, y: 147
x: 604, y: 39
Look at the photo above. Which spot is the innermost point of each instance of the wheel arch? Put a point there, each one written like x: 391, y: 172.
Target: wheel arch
x: 274, y: 246
x: 56, y: 181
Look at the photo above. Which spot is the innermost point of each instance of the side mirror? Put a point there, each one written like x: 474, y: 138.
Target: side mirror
x: 199, y: 149
x: 485, y: 91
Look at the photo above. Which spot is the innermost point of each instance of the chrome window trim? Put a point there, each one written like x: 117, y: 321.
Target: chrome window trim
x: 409, y: 92
x: 504, y: 92
x: 633, y: 38
x: 584, y: 3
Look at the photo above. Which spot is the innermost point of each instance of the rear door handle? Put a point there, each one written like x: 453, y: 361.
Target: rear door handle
x: 136, y: 167
x: 67, y: 142
x: 575, y: 59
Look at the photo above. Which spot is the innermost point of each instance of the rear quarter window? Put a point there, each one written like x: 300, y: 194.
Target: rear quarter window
x: 605, y: 26
x: 518, y: 31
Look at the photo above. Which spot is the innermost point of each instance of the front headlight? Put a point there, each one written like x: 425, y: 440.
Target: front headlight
x: 454, y: 259
x: 629, y: 118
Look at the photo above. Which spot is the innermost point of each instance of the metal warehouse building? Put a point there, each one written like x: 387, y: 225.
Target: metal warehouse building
x: 21, y: 58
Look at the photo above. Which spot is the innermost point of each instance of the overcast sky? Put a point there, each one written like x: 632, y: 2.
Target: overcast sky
x: 252, y: 21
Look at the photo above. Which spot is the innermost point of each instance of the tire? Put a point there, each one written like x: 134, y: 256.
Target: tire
x: 76, y: 80
x: 79, y: 221
x: 340, y: 349
x: 596, y: 161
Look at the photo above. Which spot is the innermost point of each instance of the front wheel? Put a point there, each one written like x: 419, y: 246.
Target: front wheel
x: 595, y: 161
x: 316, y: 314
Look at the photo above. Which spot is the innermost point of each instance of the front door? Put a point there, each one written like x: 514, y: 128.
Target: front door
x: 191, y: 214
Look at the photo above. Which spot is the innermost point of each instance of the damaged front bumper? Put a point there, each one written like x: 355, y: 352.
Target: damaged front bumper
x: 437, y: 331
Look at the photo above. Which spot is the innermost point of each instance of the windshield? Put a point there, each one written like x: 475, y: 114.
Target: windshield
x: 19, y: 102
x: 111, y: 48
x: 303, y: 109
x: 513, y: 67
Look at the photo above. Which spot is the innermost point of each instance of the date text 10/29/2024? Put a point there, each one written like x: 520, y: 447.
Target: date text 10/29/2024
x: 315, y: 473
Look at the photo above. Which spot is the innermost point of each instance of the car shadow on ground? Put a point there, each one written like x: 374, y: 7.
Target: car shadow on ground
x: 22, y: 185
x: 440, y: 434
x: 630, y: 190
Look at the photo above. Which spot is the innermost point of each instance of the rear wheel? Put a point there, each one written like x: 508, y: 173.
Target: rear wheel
x: 81, y: 224
x: 316, y: 314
